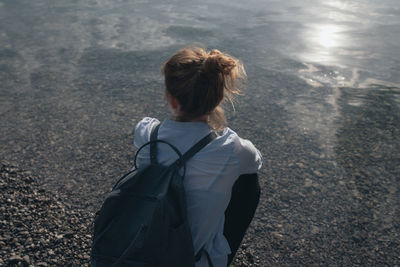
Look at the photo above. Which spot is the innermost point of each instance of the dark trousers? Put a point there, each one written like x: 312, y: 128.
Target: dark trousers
x: 240, y: 211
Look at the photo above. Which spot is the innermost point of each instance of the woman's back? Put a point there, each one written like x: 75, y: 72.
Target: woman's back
x: 209, y: 178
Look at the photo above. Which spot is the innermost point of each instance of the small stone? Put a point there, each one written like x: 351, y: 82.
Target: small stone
x: 14, y: 259
x: 308, y: 182
x: 300, y: 165
x: 26, y: 259
x: 277, y: 235
x: 59, y: 236
x: 314, y: 230
x: 317, y: 173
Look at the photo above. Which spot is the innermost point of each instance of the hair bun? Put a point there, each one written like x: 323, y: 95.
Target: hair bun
x: 219, y: 63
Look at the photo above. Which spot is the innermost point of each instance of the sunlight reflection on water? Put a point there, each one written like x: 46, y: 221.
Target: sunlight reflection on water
x: 328, y: 35
x: 322, y: 42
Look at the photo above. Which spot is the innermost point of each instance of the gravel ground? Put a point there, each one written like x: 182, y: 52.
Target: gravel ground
x: 37, y: 227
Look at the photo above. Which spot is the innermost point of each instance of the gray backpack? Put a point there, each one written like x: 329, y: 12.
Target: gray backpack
x: 143, y: 221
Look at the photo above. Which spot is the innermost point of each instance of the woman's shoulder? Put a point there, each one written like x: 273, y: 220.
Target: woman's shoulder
x: 239, y: 144
x: 146, y: 122
x: 143, y: 130
x: 244, y: 150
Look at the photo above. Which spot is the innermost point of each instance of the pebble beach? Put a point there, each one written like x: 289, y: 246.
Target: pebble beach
x: 321, y: 103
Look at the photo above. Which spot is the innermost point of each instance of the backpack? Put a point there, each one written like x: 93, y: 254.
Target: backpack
x: 143, y: 221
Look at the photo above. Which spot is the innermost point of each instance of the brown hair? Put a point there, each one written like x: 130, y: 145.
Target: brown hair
x: 201, y: 80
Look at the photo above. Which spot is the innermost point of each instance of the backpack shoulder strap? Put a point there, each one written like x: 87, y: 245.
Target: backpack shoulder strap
x: 190, y: 153
x: 196, y: 148
x: 153, y: 145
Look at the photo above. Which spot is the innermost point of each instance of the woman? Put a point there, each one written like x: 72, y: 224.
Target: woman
x: 196, y: 84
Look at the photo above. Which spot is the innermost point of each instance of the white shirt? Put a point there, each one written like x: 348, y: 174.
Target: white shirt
x: 210, y: 175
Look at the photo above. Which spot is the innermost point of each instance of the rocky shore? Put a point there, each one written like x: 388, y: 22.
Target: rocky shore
x: 40, y: 228
x: 37, y: 227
